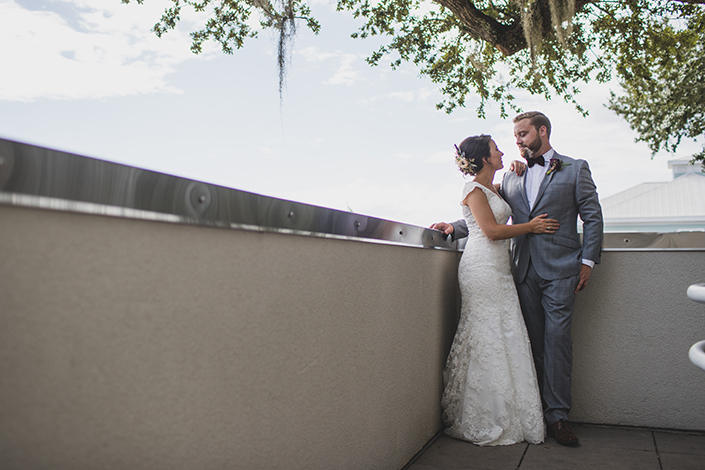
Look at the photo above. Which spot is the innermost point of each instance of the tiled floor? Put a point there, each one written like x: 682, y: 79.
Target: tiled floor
x: 601, y: 448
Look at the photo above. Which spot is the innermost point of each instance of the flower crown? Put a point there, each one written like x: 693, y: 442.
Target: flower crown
x: 466, y: 166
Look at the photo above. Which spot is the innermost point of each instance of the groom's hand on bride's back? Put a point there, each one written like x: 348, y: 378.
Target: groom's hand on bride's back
x: 443, y: 227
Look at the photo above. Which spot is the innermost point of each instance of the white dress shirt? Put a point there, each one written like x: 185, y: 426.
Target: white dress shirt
x: 534, y: 177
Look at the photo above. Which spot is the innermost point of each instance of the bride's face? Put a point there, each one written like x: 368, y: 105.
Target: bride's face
x: 495, y: 156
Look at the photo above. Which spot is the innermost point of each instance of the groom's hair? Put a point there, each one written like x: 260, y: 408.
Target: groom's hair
x: 536, y: 119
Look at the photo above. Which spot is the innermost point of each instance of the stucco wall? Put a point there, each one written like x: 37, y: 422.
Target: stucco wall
x: 145, y: 345
x: 632, y: 329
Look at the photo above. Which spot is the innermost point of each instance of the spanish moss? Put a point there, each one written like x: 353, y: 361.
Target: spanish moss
x: 286, y: 26
x: 562, y: 12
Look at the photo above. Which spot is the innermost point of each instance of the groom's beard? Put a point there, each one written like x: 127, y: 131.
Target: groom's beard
x: 530, y: 151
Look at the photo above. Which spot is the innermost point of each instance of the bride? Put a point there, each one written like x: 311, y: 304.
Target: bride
x: 491, y: 395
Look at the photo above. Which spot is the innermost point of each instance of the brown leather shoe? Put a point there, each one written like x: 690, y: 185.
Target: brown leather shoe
x: 562, y: 433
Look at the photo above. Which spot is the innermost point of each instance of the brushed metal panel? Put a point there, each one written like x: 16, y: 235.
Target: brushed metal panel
x: 40, y: 177
x: 675, y: 241
x: 36, y: 176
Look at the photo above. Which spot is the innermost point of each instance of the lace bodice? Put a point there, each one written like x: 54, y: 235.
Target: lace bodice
x: 499, y: 206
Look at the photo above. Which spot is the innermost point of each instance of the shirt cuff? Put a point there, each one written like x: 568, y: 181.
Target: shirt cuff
x: 589, y: 262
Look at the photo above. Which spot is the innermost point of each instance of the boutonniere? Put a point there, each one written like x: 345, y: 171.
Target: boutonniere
x: 555, y: 165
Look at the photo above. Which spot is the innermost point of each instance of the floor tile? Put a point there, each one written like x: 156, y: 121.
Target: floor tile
x: 682, y: 461
x: 601, y: 448
x: 588, y: 457
x: 612, y: 437
x: 419, y: 466
x: 681, y: 443
x: 453, y: 454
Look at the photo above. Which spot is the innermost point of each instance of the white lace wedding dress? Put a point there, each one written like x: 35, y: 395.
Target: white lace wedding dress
x: 491, y: 396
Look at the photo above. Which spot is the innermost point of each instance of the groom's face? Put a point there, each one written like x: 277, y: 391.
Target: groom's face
x: 528, y: 138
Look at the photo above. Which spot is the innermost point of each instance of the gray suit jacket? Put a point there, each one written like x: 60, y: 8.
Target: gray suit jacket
x: 563, y: 195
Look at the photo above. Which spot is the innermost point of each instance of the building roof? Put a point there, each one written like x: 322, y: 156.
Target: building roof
x: 668, y: 206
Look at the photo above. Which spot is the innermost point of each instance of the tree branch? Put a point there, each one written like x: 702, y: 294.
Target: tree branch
x: 507, y: 38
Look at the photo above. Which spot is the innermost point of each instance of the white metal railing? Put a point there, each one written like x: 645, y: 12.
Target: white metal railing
x: 696, y: 353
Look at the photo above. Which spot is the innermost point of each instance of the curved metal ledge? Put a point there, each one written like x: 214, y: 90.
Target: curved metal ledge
x: 674, y: 241
x: 50, y: 179
x: 35, y: 176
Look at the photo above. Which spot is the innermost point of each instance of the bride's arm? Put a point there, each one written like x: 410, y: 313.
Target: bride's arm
x: 476, y: 200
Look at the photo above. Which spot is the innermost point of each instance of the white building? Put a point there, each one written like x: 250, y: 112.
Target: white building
x: 671, y: 206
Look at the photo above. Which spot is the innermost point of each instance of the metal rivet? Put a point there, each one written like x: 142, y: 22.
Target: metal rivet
x: 291, y: 214
x: 202, y: 199
x: 357, y: 224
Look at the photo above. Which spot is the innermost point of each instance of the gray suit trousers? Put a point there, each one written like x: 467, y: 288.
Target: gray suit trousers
x: 547, y: 306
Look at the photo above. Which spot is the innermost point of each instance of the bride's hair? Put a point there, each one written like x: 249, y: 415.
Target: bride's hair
x: 470, y: 155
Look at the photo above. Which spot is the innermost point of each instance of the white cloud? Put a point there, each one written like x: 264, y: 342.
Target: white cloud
x: 314, y: 54
x: 403, y: 95
x: 419, y: 94
x: 345, y: 75
x: 86, y: 49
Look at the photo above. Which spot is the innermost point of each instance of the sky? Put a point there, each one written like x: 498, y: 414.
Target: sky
x: 89, y: 77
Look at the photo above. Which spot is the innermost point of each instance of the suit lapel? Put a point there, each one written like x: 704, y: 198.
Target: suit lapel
x: 522, y: 187
x: 542, y: 187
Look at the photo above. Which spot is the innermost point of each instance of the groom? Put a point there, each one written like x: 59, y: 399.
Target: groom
x: 549, y: 269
